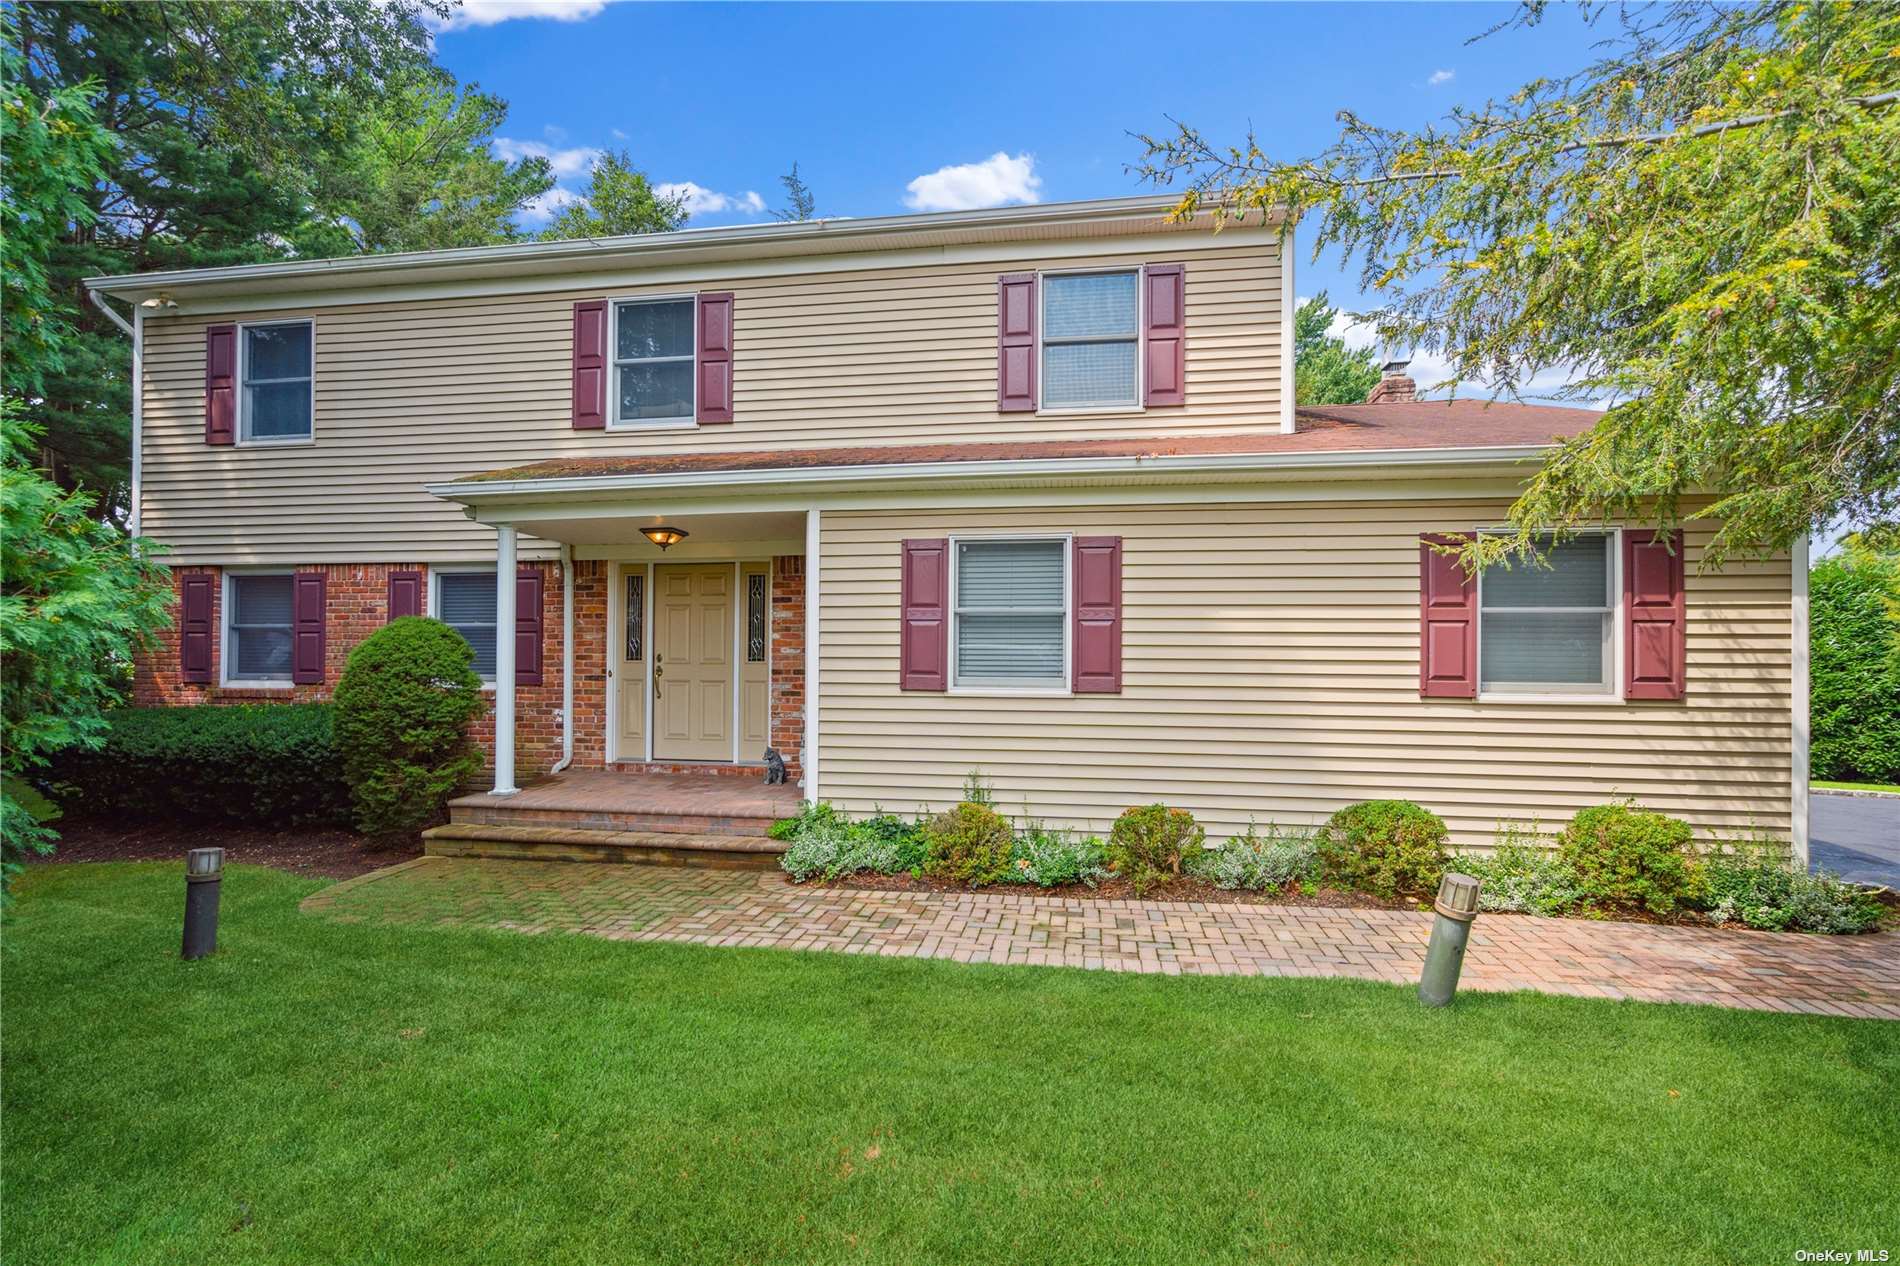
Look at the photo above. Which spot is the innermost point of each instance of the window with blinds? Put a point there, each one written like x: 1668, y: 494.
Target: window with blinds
x: 1011, y: 613
x: 465, y: 601
x: 1547, y: 630
x: 258, y: 628
x: 1090, y: 340
x: 653, y: 360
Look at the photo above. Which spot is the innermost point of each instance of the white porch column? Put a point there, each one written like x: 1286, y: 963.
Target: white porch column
x: 505, y: 660
x: 811, y: 656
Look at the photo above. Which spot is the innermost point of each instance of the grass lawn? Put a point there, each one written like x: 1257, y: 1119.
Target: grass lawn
x: 1820, y: 785
x: 321, y: 1092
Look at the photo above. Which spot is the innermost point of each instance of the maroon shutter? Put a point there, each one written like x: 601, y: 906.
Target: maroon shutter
x: 1448, y: 624
x: 194, y: 626
x: 1164, y: 334
x: 590, y: 365
x: 1016, y: 343
x: 405, y: 593
x: 1656, y: 630
x: 306, y: 628
x: 1098, y: 615
x: 715, y: 358
x: 221, y: 384
x: 924, y: 643
x: 528, y: 636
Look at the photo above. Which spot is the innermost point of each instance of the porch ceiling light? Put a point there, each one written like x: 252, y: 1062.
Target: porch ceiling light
x: 663, y: 535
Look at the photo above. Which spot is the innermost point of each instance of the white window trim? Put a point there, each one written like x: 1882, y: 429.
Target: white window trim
x: 1042, y: 343
x: 227, y: 607
x: 1597, y: 698
x: 244, y: 437
x: 435, y: 599
x: 614, y: 422
x: 992, y: 689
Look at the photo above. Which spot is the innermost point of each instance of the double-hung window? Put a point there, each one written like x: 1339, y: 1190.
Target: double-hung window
x: 257, y: 628
x: 1091, y: 341
x: 465, y: 601
x: 1549, y: 629
x: 1011, y: 613
x: 277, y: 390
x: 653, y: 361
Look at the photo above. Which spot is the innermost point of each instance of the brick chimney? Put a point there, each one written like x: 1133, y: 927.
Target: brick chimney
x: 1395, y: 385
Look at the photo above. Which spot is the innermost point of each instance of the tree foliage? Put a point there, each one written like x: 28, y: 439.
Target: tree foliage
x: 245, y: 133
x: 1326, y: 371
x: 1703, y: 228
x: 619, y: 201
x: 1854, y: 638
x: 799, y: 205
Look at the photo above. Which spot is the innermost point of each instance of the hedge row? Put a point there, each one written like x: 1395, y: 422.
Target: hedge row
x: 258, y: 764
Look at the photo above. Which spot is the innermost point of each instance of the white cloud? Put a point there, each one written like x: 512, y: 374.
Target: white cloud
x: 1442, y: 77
x: 1428, y: 368
x: 538, y: 211
x: 491, y: 12
x: 564, y: 163
x: 994, y: 182
x: 700, y: 200
x: 618, y: 135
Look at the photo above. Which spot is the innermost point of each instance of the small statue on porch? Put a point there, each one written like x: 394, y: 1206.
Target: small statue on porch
x: 774, y: 767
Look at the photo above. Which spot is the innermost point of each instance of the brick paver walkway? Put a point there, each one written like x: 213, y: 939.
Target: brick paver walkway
x: 1850, y: 976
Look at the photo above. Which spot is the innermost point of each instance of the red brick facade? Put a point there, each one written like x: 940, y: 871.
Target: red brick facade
x: 357, y: 604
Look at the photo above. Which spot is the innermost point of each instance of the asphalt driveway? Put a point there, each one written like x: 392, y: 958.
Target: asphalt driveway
x: 1856, y: 837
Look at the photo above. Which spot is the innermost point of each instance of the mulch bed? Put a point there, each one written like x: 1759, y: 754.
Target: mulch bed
x: 299, y: 850
x: 1198, y: 890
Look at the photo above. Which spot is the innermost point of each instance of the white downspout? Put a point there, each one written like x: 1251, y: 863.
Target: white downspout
x: 810, y: 761
x: 1798, y: 701
x: 567, y: 660
x: 1289, y: 419
x: 505, y: 660
x: 135, y: 331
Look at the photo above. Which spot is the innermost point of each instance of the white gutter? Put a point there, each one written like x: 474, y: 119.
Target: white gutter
x: 651, y: 244
x: 567, y: 660
x: 469, y: 490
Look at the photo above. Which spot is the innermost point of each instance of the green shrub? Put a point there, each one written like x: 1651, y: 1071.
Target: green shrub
x: 824, y: 842
x: 404, y: 705
x: 902, y: 837
x: 1625, y: 857
x: 1052, y: 859
x: 1523, y: 876
x: 1152, y: 844
x: 260, y: 764
x: 1385, y: 847
x: 1854, y: 603
x: 1758, y: 886
x: 1256, y: 861
x: 970, y: 843
x: 809, y: 814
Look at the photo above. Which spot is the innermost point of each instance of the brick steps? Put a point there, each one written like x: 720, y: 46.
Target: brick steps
x: 653, y: 822
x: 555, y: 843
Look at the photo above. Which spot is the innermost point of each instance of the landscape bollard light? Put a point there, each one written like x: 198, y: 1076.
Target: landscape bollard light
x: 1456, y: 907
x: 204, y: 875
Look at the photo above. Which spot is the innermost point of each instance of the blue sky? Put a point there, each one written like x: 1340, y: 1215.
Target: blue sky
x: 889, y: 108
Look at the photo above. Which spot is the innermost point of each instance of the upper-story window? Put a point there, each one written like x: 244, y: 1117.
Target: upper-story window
x: 1091, y: 340
x: 1547, y: 629
x: 277, y: 396
x: 653, y: 361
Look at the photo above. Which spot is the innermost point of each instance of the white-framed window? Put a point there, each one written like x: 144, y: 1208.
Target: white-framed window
x: 653, y: 361
x: 1009, y: 600
x: 257, y: 628
x: 1551, y: 630
x: 1091, y: 340
x: 277, y: 382
x: 464, y: 599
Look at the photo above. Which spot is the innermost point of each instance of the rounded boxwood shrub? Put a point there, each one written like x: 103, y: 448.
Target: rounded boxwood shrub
x: 1625, y: 857
x: 403, y: 707
x: 1385, y: 847
x: 1152, y: 844
x: 971, y: 843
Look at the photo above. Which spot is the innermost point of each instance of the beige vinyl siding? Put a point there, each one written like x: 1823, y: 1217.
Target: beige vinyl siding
x: 1270, y: 670
x: 416, y: 392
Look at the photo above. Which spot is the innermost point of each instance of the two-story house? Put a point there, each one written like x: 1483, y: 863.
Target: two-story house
x: 1022, y: 491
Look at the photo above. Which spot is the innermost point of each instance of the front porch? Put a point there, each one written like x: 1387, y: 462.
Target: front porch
x: 694, y: 819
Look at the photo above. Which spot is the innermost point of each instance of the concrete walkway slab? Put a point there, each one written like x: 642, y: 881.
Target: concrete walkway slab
x: 1846, y: 976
